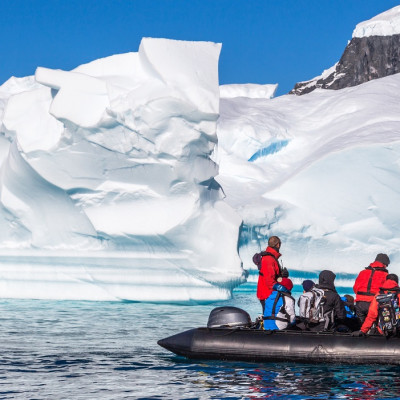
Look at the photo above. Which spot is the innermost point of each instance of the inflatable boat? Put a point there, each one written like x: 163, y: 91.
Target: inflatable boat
x: 230, y: 335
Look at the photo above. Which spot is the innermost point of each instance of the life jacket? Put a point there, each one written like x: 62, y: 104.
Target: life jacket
x: 388, y: 313
x: 311, y: 306
x: 350, y: 309
x: 278, y: 306
x: 368, y: 289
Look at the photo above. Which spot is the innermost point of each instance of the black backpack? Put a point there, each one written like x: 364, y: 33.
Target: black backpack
x: 388, y: 313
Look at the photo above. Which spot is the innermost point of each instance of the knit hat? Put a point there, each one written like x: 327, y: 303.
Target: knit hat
x: 383, y: 258
x: 308, y: 285
x: 287, y: 283
x: 392, y: 277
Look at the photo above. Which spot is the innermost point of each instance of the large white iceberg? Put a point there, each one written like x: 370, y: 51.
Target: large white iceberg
x: 321, y: 171
x: 129, y: 178
x: 107, y: 187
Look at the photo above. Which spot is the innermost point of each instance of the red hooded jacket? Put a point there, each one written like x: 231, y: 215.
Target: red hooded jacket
x: 269, y: 273
x: 373, y: 308
x: 366, y: 288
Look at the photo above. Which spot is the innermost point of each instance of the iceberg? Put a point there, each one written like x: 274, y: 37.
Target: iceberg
x: 107, y: 187
x: 137, y: 177
x: 321, y: 171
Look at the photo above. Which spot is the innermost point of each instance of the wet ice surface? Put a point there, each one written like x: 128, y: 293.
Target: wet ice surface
x: 108, y: 350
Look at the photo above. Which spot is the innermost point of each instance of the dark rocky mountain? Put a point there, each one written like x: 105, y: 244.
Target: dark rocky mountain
x: 364, y: 59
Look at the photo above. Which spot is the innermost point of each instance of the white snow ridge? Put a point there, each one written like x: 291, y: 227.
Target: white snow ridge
x: 384, y: 24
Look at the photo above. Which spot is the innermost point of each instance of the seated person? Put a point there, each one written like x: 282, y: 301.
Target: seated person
x: 307, y: 299
x: 389, y: 305
x: 328, y: 309
x: 279, y: 307
x: 351, y: 321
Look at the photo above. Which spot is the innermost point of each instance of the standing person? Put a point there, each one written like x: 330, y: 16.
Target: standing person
x: 368, y: 282
x: 279, y: 307
x: 391, y: 285
x: 270, y: 270
x: 331, y: 308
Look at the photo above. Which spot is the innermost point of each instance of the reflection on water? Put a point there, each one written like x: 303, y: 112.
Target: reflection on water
x: 89, y: 350
x: 287, y: 381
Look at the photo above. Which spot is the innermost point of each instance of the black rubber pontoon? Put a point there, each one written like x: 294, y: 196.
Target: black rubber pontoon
x: 270, y: 346
x: 243, y: 343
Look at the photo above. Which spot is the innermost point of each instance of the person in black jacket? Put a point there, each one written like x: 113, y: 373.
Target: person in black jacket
x: 332, y: 307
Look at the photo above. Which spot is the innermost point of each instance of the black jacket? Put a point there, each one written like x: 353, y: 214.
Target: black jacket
x: 333, y: 300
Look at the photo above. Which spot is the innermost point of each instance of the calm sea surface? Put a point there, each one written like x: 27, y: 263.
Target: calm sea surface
x: 100, y: 350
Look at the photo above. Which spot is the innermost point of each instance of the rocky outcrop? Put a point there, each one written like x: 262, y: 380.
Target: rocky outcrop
x: 364, y: 59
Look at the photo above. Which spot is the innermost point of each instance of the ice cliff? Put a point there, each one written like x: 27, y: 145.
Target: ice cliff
x: 107, y: 188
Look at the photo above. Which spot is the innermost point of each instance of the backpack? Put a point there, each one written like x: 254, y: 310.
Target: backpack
x: 311, y: 305
x: 388, y: 313
x: 257, y: 258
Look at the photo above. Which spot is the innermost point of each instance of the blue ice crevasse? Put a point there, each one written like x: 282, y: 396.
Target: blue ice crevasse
x: 271, y: 149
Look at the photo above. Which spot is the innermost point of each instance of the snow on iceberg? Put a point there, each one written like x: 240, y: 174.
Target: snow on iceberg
x: 250, y: 90
x: 332, y: 192
x: 107, y: 187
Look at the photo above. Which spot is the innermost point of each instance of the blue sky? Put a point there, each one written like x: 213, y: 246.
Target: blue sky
x: 263, y: 41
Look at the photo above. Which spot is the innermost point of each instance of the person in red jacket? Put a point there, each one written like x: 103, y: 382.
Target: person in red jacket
x: 392, y: 282
x: 270, y: 270
x: 368, y: 283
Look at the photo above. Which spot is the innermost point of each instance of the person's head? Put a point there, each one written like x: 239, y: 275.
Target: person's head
x: 308, y: 285
x: 326, y: 279
x: 392, y: 282
x: 274, y: 242
x: 392, y: 277
x: 287, y: 283
x: 349, y: 298
x: 382, y: 258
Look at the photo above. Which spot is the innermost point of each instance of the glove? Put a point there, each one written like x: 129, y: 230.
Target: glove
x: 357, y: 333
x: 285, y: 273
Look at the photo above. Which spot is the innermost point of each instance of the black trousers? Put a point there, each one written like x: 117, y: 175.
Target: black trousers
x: 362, y: 308
x: 262, y: 305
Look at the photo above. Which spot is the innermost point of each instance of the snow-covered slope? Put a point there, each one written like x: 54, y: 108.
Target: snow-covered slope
x: 322, y: 171
x: 107, y: 188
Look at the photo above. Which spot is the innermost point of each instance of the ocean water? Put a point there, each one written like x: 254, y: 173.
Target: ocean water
x: 108, y: 350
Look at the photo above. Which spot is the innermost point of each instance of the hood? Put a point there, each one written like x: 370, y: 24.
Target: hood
x: 326, y: 280
x: 287, y: 283
x: 377, y: 264
x: 389, y: 284
x: 273, y: 251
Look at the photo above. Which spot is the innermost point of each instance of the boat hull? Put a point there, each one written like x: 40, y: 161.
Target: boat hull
x: 274, y: 346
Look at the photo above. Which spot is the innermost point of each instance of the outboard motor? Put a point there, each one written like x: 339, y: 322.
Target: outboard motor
x: 227, y: 317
